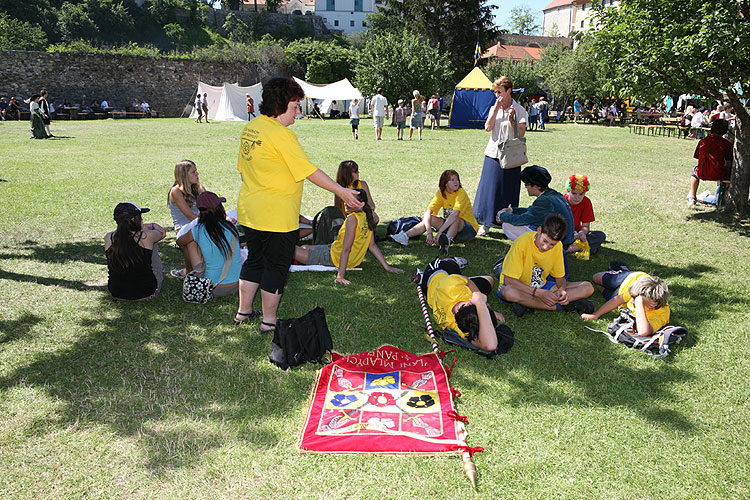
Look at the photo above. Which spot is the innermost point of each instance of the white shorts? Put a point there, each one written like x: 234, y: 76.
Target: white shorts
x: 378, y: 121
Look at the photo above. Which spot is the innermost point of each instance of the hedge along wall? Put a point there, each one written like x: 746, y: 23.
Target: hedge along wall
x: 166, y: 84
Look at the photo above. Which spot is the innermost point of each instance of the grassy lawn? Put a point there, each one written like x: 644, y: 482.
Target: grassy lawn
x: 164, y: 399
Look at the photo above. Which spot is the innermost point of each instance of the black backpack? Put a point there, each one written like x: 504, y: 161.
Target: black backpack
x: 326, y: 225
x: 301, y: 340
x: 402, y: 224
x: 622, y: 331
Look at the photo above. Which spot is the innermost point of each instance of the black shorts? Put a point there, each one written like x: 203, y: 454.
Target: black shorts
x: 269, y: 256
x: 611, y: 281
x: 450, y: 266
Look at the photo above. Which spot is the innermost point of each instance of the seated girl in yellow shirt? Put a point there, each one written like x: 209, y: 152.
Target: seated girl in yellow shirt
x: 458, y: 222
x: 354, y: 239
x: 348, y: 177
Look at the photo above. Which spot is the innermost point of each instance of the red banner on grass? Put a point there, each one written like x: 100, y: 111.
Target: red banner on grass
x: 387, y: 401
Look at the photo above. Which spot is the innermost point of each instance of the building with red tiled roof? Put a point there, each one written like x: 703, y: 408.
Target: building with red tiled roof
x: 513, y: 52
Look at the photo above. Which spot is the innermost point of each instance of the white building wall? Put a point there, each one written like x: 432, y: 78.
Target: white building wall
x: 584, y: 13
x: 560, y: 16
x: 344, y: 17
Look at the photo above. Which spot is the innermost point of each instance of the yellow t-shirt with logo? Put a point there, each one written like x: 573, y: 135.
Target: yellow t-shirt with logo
x: 528, y: 264
x: 273, y: 167
x: 454, y: 201
x: 359, y: 245
x: 657, y: 318
x: 445, y: 291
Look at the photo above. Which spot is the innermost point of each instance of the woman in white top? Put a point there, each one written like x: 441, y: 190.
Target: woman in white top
x: 498, y: 187
x: 354, y: 118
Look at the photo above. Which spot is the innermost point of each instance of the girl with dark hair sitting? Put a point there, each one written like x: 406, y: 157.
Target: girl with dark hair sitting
x: 354, y: 239
x: 133, y: 262
x: 348, y: 176
x: 214, y: 241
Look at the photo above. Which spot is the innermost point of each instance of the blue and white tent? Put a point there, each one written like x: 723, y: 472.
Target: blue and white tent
x: 472, y: 101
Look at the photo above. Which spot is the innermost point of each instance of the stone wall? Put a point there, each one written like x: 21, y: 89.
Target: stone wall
x: 166, y: 84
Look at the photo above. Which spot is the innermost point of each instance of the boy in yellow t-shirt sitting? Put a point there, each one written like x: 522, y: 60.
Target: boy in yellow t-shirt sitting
x: 532, y: 258
x: 646, y: 297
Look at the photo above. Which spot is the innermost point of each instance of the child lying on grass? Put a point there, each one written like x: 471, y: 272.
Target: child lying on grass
x: 645, y: 296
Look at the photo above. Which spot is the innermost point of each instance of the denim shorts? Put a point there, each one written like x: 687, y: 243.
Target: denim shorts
x: 320, y: 255
x: 467, y: 233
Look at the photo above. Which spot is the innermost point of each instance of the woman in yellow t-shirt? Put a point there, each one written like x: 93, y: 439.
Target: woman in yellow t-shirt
x: 273, y: 168
x: 348, y: 177
x: 458, y: 222
x: 355, y: 238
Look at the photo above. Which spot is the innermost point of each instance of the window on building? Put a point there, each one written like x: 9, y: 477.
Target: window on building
x: 581, y: 24
x: 358, y: 5
x: 364, y: 24
x: 336, y: 23
x: 330, y: 4
x: 611, y: 2
x: 351, y: 23
x: 583, y: 6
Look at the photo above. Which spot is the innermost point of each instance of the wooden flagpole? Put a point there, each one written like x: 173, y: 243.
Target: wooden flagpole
x: 469, y: 468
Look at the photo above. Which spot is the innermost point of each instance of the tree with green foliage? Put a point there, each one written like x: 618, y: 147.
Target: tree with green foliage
x: 570, y: 73
x: 74, y: 23
x: 523, y: 20
x: 521, y: 73
x: 114, y: 23
x: 237, y: 30
x: 322, y: 61
x: 399, y: 64
x: 162, y: 11
x: 20, y: 35
x: 176, y: 34
x: 272, y: 5
x: 451, y: 27
x: 652, y: 50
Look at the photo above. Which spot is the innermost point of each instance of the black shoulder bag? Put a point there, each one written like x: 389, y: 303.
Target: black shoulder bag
x: 300, y: 340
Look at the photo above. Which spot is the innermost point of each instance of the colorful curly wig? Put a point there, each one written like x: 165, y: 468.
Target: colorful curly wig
x: 577, y: 182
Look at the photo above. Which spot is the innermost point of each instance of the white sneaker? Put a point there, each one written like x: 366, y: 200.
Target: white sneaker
x: 461, y: 262
x: 691, y: 200
x: 400, y: 238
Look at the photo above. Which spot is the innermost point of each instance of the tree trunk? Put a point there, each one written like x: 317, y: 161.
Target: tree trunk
x: 739, y: 187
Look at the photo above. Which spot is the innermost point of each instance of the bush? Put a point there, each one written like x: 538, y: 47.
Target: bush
x: 18, y: 35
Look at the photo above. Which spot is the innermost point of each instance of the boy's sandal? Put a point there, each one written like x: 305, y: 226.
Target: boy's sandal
x: 247, y: 317
x: 270, y: 330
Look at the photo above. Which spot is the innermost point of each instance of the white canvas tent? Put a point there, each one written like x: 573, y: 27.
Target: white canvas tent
x: 341, y: 91
x: 227, y: 103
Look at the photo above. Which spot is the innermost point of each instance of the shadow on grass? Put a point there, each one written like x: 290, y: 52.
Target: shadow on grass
x: 181, y: 381
x: 734, y: 223
x: 178, y: 378
x: 17, y: 329
x: 91, y: 251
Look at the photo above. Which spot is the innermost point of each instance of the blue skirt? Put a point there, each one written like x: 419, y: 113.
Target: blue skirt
x: 497, y: 189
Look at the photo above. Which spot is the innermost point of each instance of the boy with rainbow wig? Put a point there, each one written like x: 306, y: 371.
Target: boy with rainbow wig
x: 587, y: 242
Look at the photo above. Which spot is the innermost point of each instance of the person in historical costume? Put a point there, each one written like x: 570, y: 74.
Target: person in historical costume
x: 36, y: 118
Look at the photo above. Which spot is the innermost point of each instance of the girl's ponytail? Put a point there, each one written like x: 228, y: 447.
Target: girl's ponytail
x: 362, y: 196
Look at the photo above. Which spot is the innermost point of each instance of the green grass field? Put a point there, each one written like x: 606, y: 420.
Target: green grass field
x: 163, y: 400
